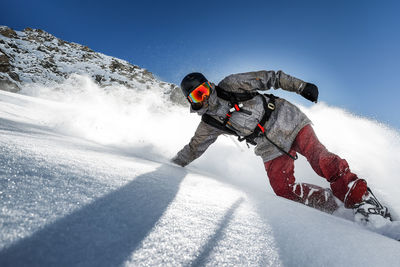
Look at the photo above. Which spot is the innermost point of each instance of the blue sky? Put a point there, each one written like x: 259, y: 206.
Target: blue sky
x: 349, y: 49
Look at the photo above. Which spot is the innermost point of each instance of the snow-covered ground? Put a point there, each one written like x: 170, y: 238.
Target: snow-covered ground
x: 85, y: 180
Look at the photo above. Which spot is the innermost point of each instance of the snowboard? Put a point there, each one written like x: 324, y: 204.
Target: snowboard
x: 391, y: 230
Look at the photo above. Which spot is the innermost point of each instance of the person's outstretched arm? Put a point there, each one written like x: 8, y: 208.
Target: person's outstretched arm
x: 265, y: 80
x: 204, y: 136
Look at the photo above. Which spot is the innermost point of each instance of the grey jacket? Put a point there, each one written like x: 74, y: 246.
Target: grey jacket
x: 282, y: 127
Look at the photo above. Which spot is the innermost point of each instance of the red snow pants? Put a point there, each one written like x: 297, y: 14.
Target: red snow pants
x: 345, y: 185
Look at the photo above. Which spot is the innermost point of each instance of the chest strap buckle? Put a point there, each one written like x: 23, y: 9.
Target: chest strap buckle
x: 271, y: 106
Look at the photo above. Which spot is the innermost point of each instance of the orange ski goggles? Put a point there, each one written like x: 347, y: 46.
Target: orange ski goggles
x: 200, y: 93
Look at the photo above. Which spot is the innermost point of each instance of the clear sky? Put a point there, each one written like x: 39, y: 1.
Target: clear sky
x: 349, y: 49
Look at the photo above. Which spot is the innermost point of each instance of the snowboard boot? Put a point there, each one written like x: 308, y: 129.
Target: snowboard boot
x: 369, y: 212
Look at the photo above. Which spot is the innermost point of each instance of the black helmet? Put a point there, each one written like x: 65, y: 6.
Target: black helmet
x: 191, y: 82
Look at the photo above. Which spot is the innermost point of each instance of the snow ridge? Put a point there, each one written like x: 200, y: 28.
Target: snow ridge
x: 35, y: 56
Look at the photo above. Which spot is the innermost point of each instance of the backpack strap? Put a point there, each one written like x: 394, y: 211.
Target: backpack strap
x: 234, y: 97
x: 215, y: 123
x: 268, y: 109
x: 259, y: 130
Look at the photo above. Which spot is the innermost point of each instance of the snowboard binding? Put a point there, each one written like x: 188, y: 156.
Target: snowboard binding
x: 371, y: 212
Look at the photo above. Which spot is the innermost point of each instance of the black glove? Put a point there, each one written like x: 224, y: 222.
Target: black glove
x: 310, y: 92
x: 176, y: 160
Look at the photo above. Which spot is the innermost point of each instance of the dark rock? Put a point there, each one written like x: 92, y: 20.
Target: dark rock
x: 52, y: 48
x: 34, y: 38
x: 88, y: 56
x: 133, y: 67
x: 46, y: 64
x: 51, y: 60
x: 116, y: 65
x: 122, y: 82
x: 4, y: 62
x: 8, y: 32
x: 98, y: 78
x: 14, y: 76
x: 49, y: 64
x: 12, y: 45
x: 61, y: 42
x: 87, y: 49
x: 148, y: 74
x: 9, y: 86
x: 41, y: 49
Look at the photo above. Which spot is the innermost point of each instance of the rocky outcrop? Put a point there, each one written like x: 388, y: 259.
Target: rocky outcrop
x: 4, y: 62
x: 8, y: 32
x: 35, y: 56
x: 8, y: 79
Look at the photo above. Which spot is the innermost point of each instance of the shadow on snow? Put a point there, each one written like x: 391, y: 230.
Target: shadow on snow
x: 206, y: 250
x: 105, y: 232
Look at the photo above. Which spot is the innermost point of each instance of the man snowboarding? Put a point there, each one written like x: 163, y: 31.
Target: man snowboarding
x: 279, y: 130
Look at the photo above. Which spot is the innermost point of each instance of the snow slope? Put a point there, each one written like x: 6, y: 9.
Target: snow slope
x: 85, y: 180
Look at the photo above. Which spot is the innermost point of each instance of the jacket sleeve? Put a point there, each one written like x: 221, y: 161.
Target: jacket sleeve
x: 262, y: 80
x: 204, y: 136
